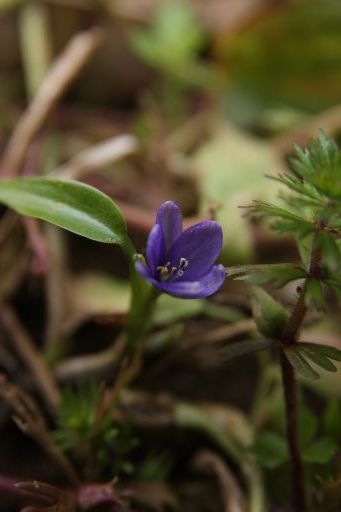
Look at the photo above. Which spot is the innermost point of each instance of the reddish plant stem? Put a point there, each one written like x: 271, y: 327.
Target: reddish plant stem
x: 7, y: 486
x: 291, y: 408
x: 290, y: 332
x: 290, y: 388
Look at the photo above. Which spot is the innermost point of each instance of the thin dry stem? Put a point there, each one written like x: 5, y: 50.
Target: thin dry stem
x: 91, y: 365
x: 31, y: 356
x: 30, y: 420
x: 232, y: 496
x: 64, y: 70
x: 98, y: 155
x: 106, y: 402
x: 38, y: 244
x: 226, y: 332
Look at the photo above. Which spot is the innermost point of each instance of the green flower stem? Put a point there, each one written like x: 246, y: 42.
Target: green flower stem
x: 143, y: 297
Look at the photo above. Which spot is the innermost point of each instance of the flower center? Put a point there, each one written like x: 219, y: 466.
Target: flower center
x: 168, y: 273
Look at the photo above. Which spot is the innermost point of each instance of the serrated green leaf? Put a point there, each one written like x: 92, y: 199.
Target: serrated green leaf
x: 270, y: 450
x: 299, y: 363
x: 306, y: 195
x: 270, y: 316
x: 242, y: 348
x: 71, y: 205
x: 320, y: 166
x: 320, y: 452
x: 271, y: 210
x: 283, y: 220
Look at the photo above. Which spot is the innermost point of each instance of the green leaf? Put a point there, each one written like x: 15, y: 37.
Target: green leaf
x: 320, y: 166
x: 304, y: 245
x: 270, y: 316
x: 307, y: 424
x: 326, y: 350
x: 242, y: 348
x: 234, y: 182
x: 314, y: 295
x: 278, y: 274
x: 170, y: 309
x: 173, y: 39
x: 270, y: 210
x: 71, y: 205
x: 318, y: 358
x: 330, y: 251
x: 270, y: 450
x: 284, y: 221
x: 321, y: 451
x: 99, y: 294
x: 332, y: 419
x: 299, y: 363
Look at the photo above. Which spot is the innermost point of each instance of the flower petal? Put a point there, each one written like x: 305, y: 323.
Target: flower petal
x: 143, y: 270
x: 155, y: 249
x: 204, y: 287
x: 200, y: 245
x: 169, y: 217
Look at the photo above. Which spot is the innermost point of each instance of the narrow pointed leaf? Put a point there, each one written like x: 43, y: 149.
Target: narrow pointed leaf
x: 242, y: 348
x: 318, y: 358
x: 277, y: 274
x: 299, y: 363
x: 71, y: 205
x: 326, y: 350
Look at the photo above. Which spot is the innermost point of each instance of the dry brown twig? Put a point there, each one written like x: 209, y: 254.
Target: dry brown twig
x: 98, y: 155
x: 91, y: 365
x: 202, y: 345
x: 30, y: 420
x: 231, y: 493
x: 223, y: 333
x: 147, y: 409
x: 64, y: 70
x: 31, y: 356
x: 106, y: 402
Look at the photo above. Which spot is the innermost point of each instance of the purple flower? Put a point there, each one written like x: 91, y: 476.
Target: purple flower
x: 181, y: 263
